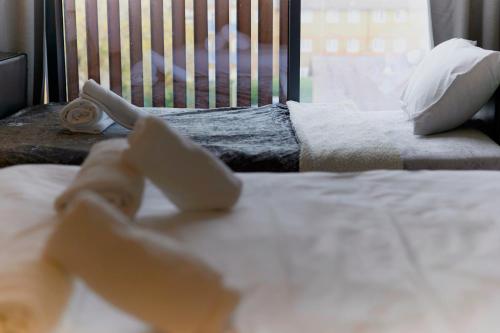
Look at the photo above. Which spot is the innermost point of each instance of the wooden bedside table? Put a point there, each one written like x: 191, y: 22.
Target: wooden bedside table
x: 13, y: 83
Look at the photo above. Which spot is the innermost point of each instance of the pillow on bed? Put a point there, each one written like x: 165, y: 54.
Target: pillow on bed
x: 451, y: 84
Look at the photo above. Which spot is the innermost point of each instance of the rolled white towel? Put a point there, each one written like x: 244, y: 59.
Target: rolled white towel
x: 117, y: 108
x: 191, y: 177
x: 107, y: 174
x: 153, y: 279
x: 33, y: 296
x: 84, y: 116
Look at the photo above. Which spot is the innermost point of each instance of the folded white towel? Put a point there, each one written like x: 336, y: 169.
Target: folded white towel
x: 117, y: 108
x: 191, y: 177
x: 151, y: 278
x: 107, y: 174
x: 33, y: 296
x: 84, y: 116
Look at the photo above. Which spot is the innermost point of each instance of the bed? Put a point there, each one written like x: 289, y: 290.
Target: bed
x: 381, y: 251
x: 248, y: 140
x: 334, y: 137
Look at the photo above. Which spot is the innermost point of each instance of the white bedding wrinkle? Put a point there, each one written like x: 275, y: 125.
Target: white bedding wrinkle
x: 155, y: 281
x: 378, y: 252
x: 33, y: 292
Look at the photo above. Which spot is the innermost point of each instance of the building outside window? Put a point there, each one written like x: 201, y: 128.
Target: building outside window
x: 332, y: 46
x: 364, y: 52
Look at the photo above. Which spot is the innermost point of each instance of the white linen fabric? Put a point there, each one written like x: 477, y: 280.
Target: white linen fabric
x: 33, y: 292
x: 339, y: 138
x: 191, y: 177
x: 117, y: 108
x: 335, y: 137
x: 106, y: 173
x: 454, y: 81
x: 156, y: 281
x: 381, y: 252
x: 84, y: 116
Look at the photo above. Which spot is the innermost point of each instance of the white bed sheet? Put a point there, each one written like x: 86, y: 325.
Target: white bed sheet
x: 382, y: 251
x: 336, y: 137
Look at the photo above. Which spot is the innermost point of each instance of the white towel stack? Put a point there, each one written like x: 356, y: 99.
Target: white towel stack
x: 84, y: 116
x: 105, y: 173
x: 154, y: 280
x: 191, y: 177
x: 117, y: 108
x: 33, y: 295
x: 98, y: 108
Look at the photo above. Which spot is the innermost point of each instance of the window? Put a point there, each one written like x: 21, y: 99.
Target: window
x: 375, y: 43
x: 400, y: 45
x: 354, y: 16
x: 177, y: 53
x: 379, y: 16
x: 332, y: 45
x: 353, y: 45
x: 333, y: 16
x: 307, y: 46
x: 401, y: 16
x: 308, y: 16
x: 304, y: 71
x: 378, y: 45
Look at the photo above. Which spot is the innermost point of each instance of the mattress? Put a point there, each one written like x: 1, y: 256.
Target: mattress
x: 378, y: 252
x: 335, y: 137
x: 248, y: 140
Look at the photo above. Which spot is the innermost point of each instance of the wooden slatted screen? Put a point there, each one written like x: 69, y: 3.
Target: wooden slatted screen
x: 179, y: 52
x: 213, y: 61
x: 115, y: 59
x: 157, y: 53
x: 201, y: 56
x: 136, y: 68
x: 265, y: 52
x: 283, y: 56
x: 222, y: 67
x: 244, y: 71
x: 72, y: 75
x: 93, y: 41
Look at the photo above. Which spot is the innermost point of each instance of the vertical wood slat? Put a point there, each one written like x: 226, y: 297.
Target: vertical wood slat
x: 179, y: 52
x: 244, y: 76
x: 136, y: 64
x: 92, y: 23
x: 72, y: 76
x: 265, y: 52
x: 158, y: 53
x: 115, y: 59
x: 222, y: 53
x: 201, y: 62
x: 284, y: 40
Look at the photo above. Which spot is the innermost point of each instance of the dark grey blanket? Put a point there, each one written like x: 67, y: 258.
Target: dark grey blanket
x: 248, y: 140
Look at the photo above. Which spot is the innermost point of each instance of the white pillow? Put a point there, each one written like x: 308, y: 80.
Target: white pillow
x: 454, y: 81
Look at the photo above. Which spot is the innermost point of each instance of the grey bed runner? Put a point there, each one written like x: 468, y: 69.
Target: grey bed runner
x: 248, y: 140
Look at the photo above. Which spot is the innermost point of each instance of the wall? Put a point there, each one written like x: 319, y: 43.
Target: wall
x: 17, y: 31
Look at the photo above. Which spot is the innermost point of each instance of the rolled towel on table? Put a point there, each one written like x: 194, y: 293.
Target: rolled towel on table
x: 33, y: 296
x: 117, y: 108
x: 84, y: 116
x: 191, y: 177
x: 107, y: 174
x: 153, y: 279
